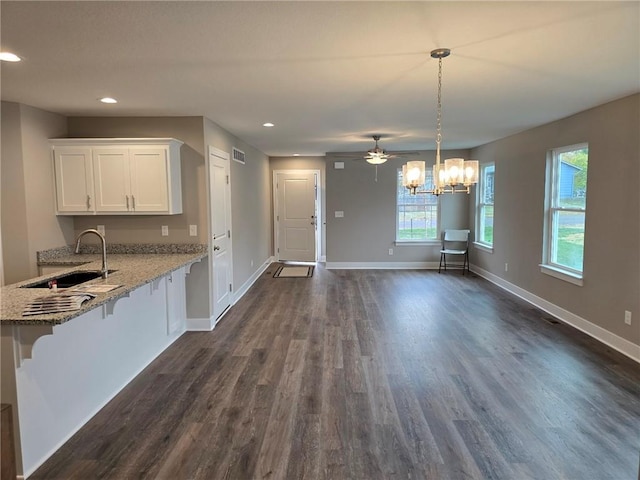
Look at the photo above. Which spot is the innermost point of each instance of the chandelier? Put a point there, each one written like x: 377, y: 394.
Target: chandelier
x: 455, y: 175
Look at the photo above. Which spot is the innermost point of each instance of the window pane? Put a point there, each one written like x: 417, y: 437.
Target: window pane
x: 572, y: 178
x: 486, y: 227
x: 417, y: 214
x: 487, y: 184
x: 417, y: 222
x: 568, y: 239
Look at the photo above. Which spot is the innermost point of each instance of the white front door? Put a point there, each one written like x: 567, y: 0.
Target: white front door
x: 220, y: 231
x: 296, y: 216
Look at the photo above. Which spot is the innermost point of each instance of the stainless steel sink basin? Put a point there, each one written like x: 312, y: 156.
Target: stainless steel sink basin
x: 70, y: 279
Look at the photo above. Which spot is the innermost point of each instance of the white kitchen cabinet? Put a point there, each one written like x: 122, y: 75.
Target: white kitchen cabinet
x: 127, y: 176
x: 74, y: 180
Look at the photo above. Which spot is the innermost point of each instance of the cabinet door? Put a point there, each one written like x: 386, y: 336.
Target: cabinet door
x: 149, y: 179
x: 74, y: 180
x: 112, y: 180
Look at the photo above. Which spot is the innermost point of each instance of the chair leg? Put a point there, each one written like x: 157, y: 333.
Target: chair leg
x: 440, y: 265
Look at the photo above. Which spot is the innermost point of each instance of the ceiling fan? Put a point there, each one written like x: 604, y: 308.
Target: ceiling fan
x: 377, y: 155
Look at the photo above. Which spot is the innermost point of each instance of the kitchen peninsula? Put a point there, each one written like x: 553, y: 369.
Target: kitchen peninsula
x: 59, y: 369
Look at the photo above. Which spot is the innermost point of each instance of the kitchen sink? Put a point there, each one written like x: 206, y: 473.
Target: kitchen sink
x: 70, y: 279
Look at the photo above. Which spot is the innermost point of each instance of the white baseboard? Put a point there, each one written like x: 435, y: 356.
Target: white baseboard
x: 200, y: 324
x: 238, y: 294
x: 620, y: 344
x: 382, y: 265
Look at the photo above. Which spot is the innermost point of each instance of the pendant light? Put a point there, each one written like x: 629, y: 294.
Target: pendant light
x: 455, y: 175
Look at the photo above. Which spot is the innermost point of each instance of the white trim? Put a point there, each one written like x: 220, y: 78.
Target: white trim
x: 238, y: 294
x: 481, y: 247
x: 322, y: 259
x: 561, y: 274
x: 200, y: 324
x: 111, y: 141
x: 620, y: 344
x: 418, y: 243
x: 382, y: 265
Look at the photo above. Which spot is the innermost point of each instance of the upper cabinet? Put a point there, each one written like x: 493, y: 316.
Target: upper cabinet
x: 121, y: 176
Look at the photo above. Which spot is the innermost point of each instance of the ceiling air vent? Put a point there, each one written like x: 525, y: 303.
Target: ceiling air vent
x: 238, y: 155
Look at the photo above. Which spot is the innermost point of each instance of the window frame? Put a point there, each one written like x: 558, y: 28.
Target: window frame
x: 551, y: 213
x: 428, y: 185
x: 480, y: 207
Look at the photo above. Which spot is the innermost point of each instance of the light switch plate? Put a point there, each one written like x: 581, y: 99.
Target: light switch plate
x: 338, y: 165
x: 100, y: 229
x: 339, y: 214
x: 193, y: 230
x: 165, y: 230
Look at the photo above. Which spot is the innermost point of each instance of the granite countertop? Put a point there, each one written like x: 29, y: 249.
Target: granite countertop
x: 132, y: 271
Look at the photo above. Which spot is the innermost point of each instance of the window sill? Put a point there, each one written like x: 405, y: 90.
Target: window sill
x: 483, y: 247
x: 562, y: 274
x: 418, y: 243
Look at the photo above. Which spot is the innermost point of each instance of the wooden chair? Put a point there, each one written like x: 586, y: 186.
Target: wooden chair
x: 455, y: 242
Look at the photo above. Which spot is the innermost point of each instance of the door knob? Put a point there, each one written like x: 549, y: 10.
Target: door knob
x: 216, y: 247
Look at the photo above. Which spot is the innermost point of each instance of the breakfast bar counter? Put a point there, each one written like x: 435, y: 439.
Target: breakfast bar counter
x: 131, y: 272
x: 59, y: 370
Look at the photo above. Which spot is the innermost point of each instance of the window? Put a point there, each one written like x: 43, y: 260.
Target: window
x: 417, y: 215
x: 484, y: 205
x: 565, y: 202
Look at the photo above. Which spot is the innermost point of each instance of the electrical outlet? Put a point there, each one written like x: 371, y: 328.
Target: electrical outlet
x: 391, y: 251
x: 193, y: 230
x: 506, y: 267
x: 100, y: 229
x: 165, y: 230
x: 627, y: 317
x: 339, y: 214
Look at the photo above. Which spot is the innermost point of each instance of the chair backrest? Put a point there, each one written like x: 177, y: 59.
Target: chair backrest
x: 456, y: 236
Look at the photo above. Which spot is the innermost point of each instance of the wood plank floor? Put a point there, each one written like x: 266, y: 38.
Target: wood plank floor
x: 371, y: 375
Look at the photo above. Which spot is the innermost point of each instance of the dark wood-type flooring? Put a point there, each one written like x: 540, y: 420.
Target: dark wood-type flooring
x: 371, y: 375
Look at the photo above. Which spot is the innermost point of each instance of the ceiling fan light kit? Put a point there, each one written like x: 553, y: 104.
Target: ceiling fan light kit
x: 455, y: 175
x: 376, y: 155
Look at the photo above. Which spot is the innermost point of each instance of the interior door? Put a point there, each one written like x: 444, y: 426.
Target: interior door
x: 220, y: 231
x: 296, y: 216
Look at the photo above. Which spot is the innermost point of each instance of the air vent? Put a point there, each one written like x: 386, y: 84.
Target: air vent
x: 238, y: 155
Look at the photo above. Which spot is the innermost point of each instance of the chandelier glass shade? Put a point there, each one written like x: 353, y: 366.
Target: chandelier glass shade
x: 454, y: 175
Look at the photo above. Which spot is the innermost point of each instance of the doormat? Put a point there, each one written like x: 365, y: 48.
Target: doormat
x: 287, y: 271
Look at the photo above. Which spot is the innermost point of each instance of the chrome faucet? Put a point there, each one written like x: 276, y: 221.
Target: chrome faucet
x: 104, y: 270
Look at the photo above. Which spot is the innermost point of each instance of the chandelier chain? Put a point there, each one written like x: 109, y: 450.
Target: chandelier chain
x: 439, y: 114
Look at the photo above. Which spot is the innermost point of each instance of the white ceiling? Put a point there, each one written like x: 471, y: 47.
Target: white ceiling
x: 328, y: 74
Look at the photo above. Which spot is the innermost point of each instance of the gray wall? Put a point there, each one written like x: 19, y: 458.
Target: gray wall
x: 250, y: 192
x: 147, y: 228
x: 29, y: 223
x: 368, y: 228
x: 305, y: 163
x: 612, y: 239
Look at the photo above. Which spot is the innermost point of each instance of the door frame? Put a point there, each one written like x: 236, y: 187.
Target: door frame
x: 227, y: 157
x: 318, y: 212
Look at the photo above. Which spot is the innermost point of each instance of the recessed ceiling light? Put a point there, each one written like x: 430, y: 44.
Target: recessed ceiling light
x: 296, y: 154
x: 268, y: 124
x: 9, y: 57
x: 108, y: 100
